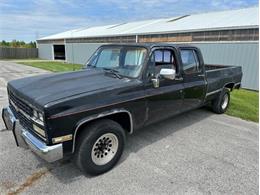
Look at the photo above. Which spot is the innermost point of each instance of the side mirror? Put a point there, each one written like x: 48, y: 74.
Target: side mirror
x: 168, y: 73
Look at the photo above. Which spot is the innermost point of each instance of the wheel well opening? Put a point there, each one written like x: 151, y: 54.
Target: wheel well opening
x: 121, y: 118
x: 230, y: 86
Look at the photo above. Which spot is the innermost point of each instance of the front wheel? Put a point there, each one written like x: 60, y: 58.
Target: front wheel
x: 221, y: 103
x: 100, y: 147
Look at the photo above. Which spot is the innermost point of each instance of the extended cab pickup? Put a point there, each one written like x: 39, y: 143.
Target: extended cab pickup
x: 86, y: 114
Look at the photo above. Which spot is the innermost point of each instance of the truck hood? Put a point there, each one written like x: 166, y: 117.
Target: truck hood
x: 41, y: 90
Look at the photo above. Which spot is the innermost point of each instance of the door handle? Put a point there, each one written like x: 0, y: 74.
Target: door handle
x: 201, y: 75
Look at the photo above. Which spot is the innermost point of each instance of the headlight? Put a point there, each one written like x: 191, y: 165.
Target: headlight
x: 38, y: 117
x: 35, y: 114
x: 39, y: 130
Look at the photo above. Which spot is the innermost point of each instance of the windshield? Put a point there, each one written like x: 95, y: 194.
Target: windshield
x: 126, y: 61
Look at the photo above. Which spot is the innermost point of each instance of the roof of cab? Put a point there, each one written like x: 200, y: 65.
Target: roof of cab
x: 148, y: 45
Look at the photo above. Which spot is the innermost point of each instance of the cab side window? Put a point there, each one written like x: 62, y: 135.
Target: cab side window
x: 164, y: 58
x: 190, y: 61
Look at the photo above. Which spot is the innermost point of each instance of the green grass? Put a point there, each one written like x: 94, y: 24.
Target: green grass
x: 244, y: 104
x: 52, y: 66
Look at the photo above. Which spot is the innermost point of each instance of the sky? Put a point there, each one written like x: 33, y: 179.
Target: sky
x: 29, y: 20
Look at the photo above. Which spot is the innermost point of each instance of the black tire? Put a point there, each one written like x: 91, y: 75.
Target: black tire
x: 218, y: 105
x: 87, y: 143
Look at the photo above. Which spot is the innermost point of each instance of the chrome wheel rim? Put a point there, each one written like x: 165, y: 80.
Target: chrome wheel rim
x: 225, y: 101
x: 104, y: 149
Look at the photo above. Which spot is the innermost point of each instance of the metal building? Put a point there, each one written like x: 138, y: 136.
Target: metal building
x: 225, y: 37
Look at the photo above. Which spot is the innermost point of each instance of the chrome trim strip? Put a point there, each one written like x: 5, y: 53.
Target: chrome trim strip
x: 90, y: 118
x: 237, y: 84
x: 37, y: 121
x: 220, y: 68
x: 218, y: 90
x: 19, y: 110
x: 213, y: 92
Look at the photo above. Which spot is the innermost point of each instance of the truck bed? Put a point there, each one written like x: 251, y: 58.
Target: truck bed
x: 218, y: 76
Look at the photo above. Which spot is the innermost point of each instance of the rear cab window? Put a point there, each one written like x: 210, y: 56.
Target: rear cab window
x: 190, y: 61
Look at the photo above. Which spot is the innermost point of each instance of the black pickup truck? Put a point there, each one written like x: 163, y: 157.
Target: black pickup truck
x: 86, y: 114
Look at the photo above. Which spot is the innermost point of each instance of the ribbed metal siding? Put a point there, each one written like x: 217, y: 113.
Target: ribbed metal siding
x: 79, y: 53
x: 239, y: 54
x: 45, y: 51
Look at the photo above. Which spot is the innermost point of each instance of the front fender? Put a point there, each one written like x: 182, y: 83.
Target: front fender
x: 98, y: 116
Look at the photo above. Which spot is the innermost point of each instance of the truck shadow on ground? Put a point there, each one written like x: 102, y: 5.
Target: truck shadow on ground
x: 66, y: 172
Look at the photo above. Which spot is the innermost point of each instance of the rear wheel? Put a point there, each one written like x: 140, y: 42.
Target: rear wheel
x: 100, y: 147
x: 221, y: 103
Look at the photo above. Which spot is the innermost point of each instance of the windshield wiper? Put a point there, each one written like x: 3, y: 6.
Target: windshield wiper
x: 114, y: 72
x: 86, y: 66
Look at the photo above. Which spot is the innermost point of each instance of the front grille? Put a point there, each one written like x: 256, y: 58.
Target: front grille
x: 23, y: 112
x: 24, y: 121
x: 21, y: 104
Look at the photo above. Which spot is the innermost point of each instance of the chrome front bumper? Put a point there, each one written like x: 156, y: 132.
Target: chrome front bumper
x: 26, y: 139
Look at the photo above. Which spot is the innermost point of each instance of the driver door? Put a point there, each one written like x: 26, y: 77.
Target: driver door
x: 166, y: 100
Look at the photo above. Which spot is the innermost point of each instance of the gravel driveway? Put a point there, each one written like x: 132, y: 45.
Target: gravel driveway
x: 195, y: 153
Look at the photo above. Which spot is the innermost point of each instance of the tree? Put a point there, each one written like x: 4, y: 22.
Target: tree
x: 4, y: 43
x: 15, y: 43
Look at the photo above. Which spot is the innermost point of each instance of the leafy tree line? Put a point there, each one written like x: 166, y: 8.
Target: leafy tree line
x: 15, y: 43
